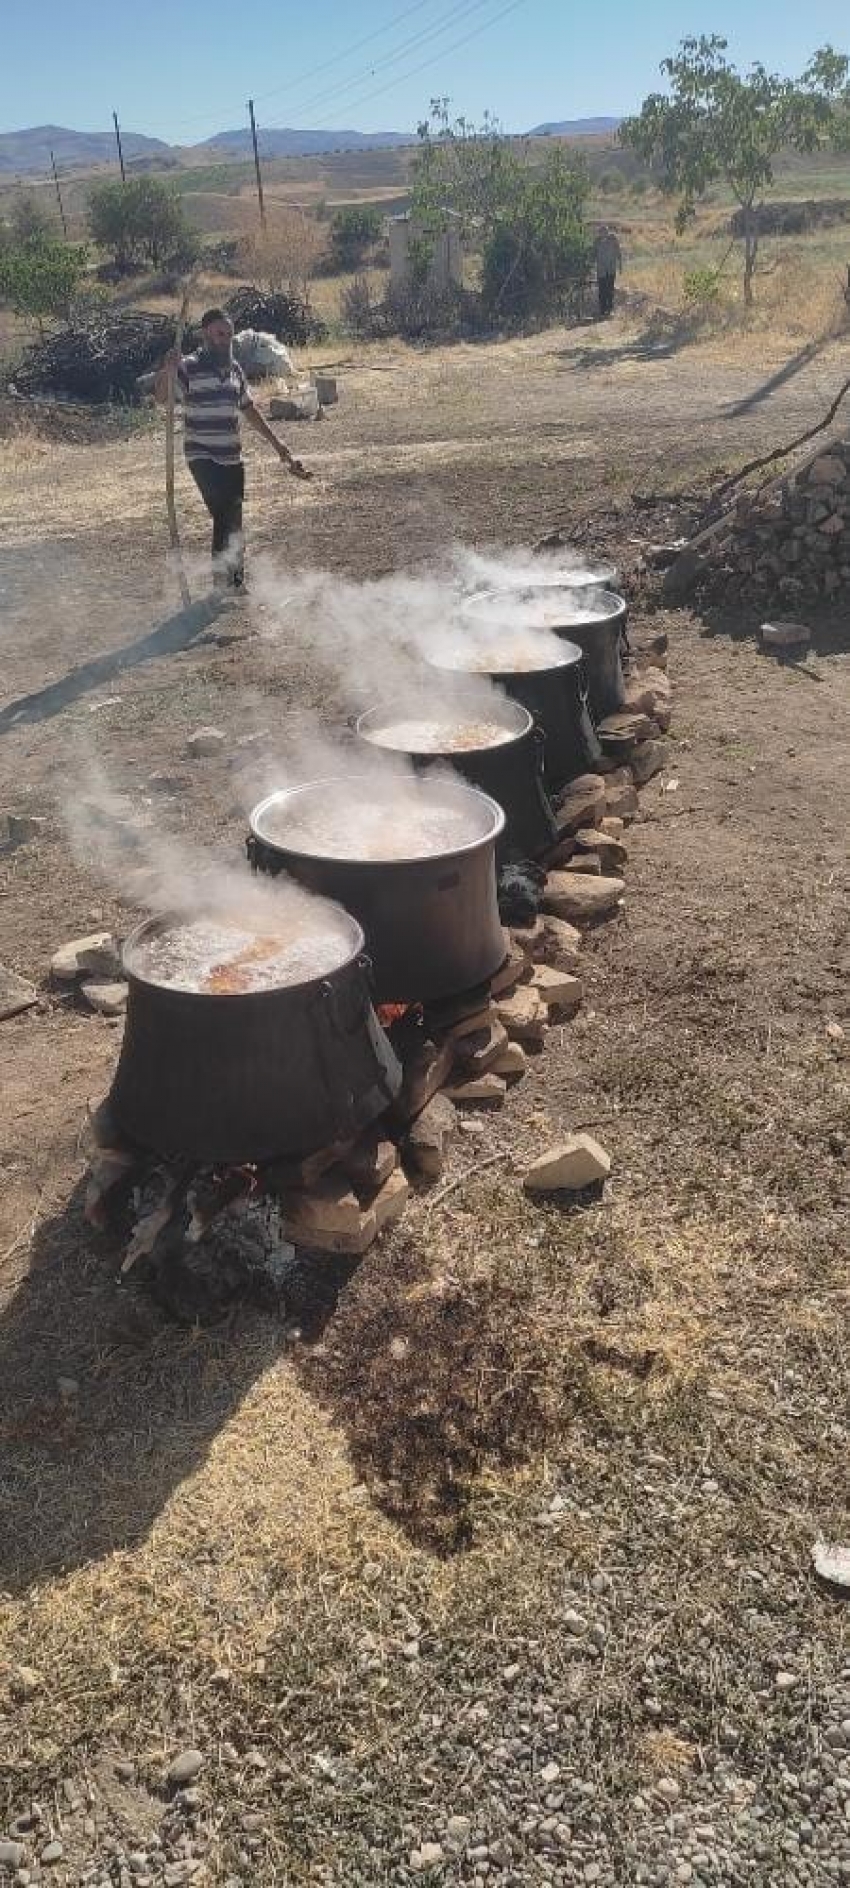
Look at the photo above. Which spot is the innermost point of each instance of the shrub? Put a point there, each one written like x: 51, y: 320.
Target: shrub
x: 360, y: 315
x: 141, y: 221
x: 39, y: 277
x: 284, y: 256
x: 29, y: 220
x: 701, y: 287
x: 354, y: 231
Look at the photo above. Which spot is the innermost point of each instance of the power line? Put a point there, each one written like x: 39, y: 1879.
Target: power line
x: 433, y: 59
x: 314, y: 71
x: 356, y: 46
x: 459, y: 11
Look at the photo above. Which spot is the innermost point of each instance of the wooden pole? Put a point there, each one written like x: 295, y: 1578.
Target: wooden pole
x: 260, y: 196
x: 59, y: 196
x: 118, y: 142
x: 170, y: 505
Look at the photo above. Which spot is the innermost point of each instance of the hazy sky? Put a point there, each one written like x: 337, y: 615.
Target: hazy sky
x: 185, y: 70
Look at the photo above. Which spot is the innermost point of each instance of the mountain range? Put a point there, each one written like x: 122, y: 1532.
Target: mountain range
x: 26, y: 152
x: 22, y: 151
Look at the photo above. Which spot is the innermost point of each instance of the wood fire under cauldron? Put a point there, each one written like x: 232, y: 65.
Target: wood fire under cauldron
x: 414, y: 861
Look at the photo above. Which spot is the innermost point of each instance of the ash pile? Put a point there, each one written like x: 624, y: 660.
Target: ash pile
x: 790, y: 546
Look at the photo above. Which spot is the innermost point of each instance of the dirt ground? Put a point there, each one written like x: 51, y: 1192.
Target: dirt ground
x: 509, y: 1551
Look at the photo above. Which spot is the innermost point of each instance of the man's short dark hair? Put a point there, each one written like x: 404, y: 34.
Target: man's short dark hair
x: 215, y: 314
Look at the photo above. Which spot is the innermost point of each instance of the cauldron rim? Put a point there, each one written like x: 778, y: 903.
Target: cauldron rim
x: 557, y: 580
x: 567, y: 657
x: 440, y: 753
x: 462, y: 790
x: 163, y: 921
x: 618, y: 605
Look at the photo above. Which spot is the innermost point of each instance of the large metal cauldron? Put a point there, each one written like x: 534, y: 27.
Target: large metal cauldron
x: 596, y: 622
x: 431, y: 923
x: 544, y: 568
x: 250, y: 1077
x: 510, y: 770
x: 554, y: 694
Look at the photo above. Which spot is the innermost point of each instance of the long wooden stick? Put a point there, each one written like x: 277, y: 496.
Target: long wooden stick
x: 170, y: 505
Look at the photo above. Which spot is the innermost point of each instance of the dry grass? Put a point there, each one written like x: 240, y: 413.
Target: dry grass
x: 319, y: 1558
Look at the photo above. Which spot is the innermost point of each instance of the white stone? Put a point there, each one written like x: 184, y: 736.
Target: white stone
x: 108, y: 999
x: 512, y: 1063
x: 560, y: 990
x: 574, y: 1163
x: 482, y: 1091
x: 574, y: 895
x: 784, y: 635
x: 560, y: 944
x: 204, y: 742
x: 429, y: 1855
x: 97, y: 954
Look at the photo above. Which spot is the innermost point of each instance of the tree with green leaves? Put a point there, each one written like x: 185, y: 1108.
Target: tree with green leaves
x: 29, y: 219
x: 524, y: 211
x: 39, y: 278
x: 355, y: 229
x: 718, y: 125
x: 141, y: 221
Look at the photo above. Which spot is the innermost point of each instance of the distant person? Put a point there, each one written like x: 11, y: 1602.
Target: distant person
x: 608, y: 257
x: 215, y: 392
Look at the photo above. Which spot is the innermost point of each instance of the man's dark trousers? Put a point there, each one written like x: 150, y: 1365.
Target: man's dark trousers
x: 222, y: 488
x: 606, y: 284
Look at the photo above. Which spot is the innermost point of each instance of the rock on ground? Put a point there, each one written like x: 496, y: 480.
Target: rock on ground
x: 572, y: 1164
x: 108, y: 999
x: 574, y: 896
x: 185, y: 1767
x: 16, y: 994
x: 205, y: 742
x: 96, y: 955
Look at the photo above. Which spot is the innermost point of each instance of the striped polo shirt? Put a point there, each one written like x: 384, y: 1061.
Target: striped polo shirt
x: 212, y: 400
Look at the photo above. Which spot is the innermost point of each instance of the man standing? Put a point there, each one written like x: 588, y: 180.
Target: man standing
x: 215, y: 392
x: 609, y: 262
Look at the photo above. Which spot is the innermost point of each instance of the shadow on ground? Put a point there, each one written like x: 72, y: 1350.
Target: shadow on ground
x: 429, y: 1379
x: 768, y: 387
x: 829, y: 630
x: 176, y: 633
x: 86, y: 1472
x: 664, y: 335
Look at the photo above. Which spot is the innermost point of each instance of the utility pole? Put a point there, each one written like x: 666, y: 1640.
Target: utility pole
x: 257, y: 164
x: 59, y: 196
x: 118, y: 142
